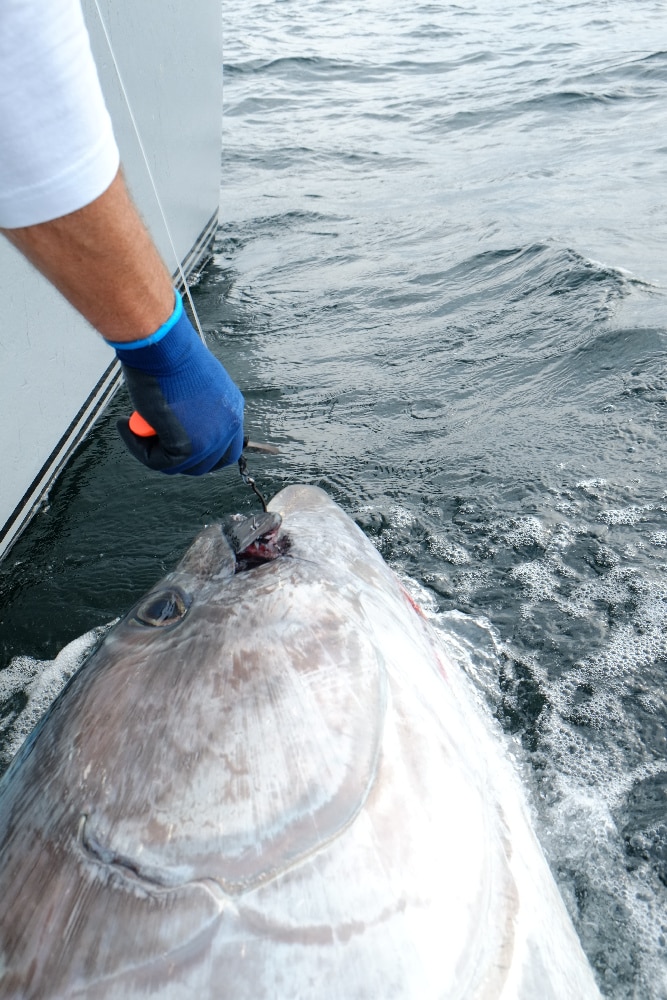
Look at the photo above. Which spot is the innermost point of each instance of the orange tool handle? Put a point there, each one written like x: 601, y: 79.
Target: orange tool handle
x: 141, y: 427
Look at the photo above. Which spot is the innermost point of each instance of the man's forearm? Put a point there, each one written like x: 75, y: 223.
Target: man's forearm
x: 103, y: 261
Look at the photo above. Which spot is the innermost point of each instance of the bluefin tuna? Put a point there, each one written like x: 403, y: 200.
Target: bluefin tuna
x: 269, y: 781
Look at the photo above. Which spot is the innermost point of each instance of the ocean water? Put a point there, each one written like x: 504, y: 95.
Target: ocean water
x: 440, y: 279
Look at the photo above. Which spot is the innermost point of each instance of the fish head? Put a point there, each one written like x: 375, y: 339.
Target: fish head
x: 231, y: 720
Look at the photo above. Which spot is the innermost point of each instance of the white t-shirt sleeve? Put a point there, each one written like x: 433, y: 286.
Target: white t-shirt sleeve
x: 57, y: 148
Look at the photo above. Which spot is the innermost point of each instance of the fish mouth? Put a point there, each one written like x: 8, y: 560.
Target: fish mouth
x: 256, y: 539
x: 221, y: 550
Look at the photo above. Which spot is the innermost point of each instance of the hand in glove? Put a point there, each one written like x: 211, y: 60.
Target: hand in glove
x: 182, y: 391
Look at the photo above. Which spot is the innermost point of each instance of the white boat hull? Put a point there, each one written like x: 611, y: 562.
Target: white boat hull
x: 56, y: 375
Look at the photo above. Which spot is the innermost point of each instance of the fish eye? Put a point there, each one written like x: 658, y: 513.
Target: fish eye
x: 162, y: 609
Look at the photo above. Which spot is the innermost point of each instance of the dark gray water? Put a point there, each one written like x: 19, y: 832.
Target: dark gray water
x: 440, y: 281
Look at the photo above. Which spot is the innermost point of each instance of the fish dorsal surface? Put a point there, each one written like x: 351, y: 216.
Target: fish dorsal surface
x: 267, y: 784
x: 228, y: 741
x: 268, y: 745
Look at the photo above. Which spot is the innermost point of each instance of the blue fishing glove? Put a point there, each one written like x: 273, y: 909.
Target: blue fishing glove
x: 185, y: 395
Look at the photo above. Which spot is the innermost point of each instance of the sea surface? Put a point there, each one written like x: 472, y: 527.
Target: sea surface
x: 440, y: 280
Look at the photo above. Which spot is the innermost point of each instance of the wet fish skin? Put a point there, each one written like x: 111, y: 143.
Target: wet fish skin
x: 280, y: 790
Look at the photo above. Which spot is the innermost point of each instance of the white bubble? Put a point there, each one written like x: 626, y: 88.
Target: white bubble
x: 448, y: 550
x: 625, y: 515
x: 526, y: 530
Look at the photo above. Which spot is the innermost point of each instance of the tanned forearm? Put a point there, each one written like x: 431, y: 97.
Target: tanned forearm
x: 103, y: 261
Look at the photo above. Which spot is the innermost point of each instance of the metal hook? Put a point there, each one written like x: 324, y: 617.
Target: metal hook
x: 249, y: 481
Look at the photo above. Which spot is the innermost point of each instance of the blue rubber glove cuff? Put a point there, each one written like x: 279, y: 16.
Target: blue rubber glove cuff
x: 187, y: 397
x: 154, y: 337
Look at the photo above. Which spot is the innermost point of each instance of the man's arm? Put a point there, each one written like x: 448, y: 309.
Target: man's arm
x: 101, y: 258
x: 64, y: 205
x: 103, y: 261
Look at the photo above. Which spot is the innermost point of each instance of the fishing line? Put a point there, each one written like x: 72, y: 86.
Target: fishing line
x: 158, y: 200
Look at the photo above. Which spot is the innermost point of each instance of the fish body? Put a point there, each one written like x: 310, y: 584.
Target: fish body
x: 270, y: 782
